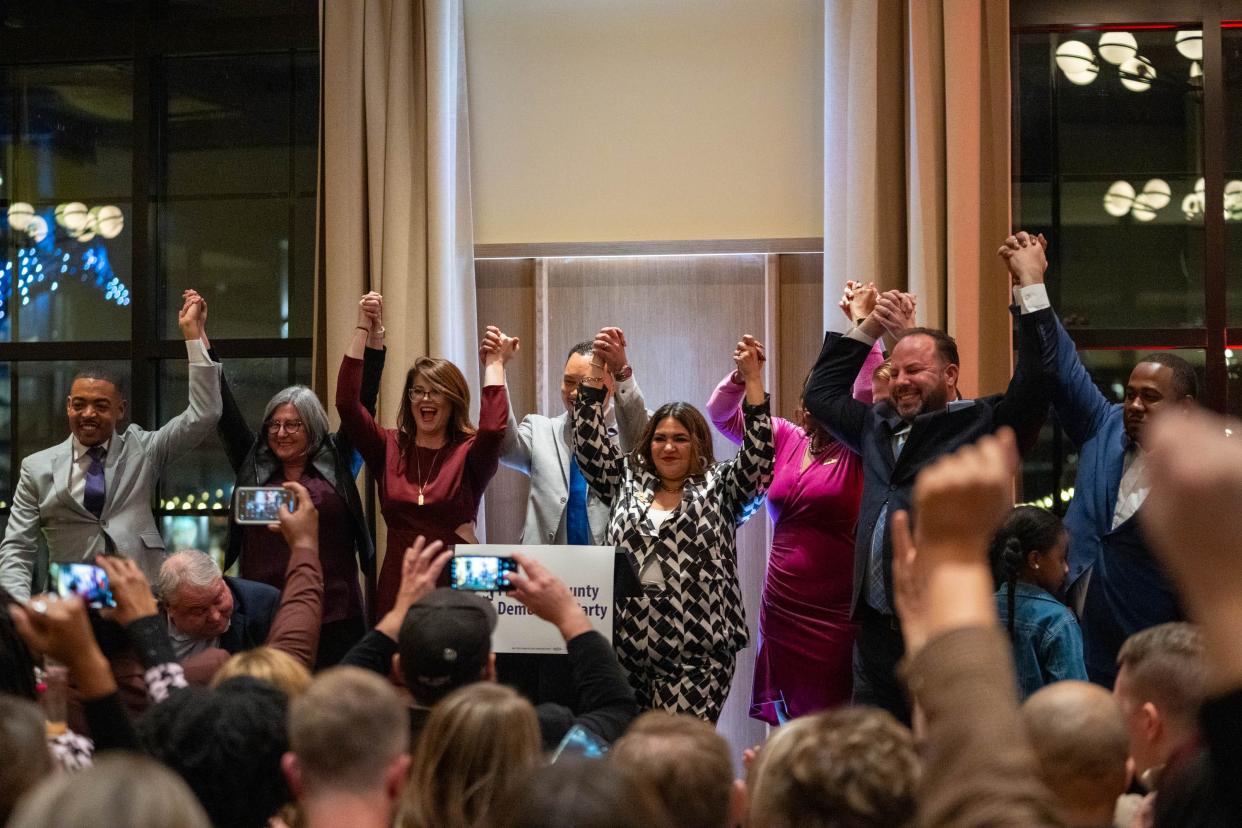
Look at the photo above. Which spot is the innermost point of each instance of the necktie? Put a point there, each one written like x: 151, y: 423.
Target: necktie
x: 577, y: 529
x: 93, y: 496
x: 877, y: 594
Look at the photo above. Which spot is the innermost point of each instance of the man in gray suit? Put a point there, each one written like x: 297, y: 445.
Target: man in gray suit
x: 91, y: 494
x: 561, y: 508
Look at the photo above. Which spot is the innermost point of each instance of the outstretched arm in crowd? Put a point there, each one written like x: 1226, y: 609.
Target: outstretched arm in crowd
x: 1196, y: 474
x: 606, y: 704
x: 420, y: 569
x: 979, y: 767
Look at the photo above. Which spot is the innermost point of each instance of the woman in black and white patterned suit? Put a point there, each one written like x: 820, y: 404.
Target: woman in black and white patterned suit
x: 675, y: 510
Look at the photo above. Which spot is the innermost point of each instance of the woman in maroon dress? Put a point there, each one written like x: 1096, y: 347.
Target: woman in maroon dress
x: 432, y: 468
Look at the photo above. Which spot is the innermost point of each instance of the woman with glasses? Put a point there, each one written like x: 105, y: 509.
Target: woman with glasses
x: 432, y: 469
x: 293, y: 443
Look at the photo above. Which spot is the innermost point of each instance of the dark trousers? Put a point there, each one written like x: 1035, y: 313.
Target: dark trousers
x: 877, y: 649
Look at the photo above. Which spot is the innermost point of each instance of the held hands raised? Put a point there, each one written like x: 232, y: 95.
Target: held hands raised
x: 609, y: 346
x: 192, y: 318
x: 858, y: 300
x: 371, y: 312
x: 1026, y: 257
x: 748, y: 357
x: 497, y: 346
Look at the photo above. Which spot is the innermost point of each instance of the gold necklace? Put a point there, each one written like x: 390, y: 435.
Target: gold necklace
x: 673, y: 490
x: 422, y: 484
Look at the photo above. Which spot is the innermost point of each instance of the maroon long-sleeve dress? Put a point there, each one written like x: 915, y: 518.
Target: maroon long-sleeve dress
x: 451, y: 493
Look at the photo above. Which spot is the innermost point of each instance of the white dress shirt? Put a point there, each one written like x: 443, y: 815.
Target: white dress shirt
x: 1135, y: 484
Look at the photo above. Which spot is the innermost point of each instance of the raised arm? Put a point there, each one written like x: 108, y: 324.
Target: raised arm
x: 484, y: 457
x: 724, y: 407
x: 750, y: 472
x: 627, y: 400
x: 829, y: 392
x: 600, y: 460
x: 1081, y: 408
x: 358, y: 424
x: 189, y: 428
x: 373, y: 357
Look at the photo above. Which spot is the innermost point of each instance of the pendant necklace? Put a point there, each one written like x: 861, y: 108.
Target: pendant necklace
x: 422, y: 484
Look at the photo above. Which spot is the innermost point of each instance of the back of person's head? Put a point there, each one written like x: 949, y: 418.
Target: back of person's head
x: 445, y: 642
x: 119, y: 789
x: 23, y: 744
x: 849, y: 768
x: 226, y: 744
x: 276, y: 667
x: 1080, y: 739
x: 1164, y: 665
x: 17, y: 677
x: 348, y: 731
x: 687, y: 763
x: 475, y: 742
x: 585, y: 793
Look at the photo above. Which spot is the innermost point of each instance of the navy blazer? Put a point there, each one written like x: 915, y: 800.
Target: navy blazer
x: 867, y: 429
x: 254, y: 610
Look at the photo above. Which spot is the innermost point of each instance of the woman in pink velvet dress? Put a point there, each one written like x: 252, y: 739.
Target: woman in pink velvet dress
x: 806, y: 638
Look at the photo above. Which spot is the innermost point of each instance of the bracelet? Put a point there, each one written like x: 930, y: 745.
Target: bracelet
x: 624, y: 374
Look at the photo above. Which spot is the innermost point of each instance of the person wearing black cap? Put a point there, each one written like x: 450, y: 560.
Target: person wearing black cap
x: 441, y: 639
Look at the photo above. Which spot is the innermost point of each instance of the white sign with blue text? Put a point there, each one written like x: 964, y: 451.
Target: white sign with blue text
x: 586, y: 570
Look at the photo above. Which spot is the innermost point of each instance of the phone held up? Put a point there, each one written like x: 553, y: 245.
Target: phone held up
x: 85, y: 580
x: 260, y: 505
x: 482, y: 573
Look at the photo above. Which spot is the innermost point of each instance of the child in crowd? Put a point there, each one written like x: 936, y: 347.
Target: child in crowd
x: 1030, y: 562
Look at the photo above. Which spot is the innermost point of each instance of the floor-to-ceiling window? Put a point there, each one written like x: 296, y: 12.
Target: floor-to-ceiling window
x: 1128, y: 155
x: 147, y: 147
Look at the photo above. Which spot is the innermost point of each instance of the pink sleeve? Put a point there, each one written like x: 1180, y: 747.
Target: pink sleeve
x: 862, y: 384
x: 357, y: 423
x: 725, y: 409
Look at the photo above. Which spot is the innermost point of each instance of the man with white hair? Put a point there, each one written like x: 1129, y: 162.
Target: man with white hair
x: 212, y: 616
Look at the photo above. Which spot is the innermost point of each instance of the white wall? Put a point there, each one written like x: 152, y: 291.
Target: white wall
x: 623, y: 120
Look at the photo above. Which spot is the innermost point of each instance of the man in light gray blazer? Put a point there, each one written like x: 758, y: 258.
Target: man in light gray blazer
x: 542, y: 447
x: 91, y: 494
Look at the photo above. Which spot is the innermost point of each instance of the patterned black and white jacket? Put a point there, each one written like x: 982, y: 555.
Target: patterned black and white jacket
x: 697, y: 616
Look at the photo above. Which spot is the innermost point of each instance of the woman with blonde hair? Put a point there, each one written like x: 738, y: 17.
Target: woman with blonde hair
x: 432, y: 469
x: 276, y: 667
x: 476, y: 743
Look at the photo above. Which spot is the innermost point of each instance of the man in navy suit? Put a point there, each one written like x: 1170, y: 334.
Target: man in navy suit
x: 924, y: 419
x: 1119, y: 585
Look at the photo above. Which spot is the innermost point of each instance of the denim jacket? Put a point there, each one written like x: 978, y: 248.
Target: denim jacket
x: 1047, y: 643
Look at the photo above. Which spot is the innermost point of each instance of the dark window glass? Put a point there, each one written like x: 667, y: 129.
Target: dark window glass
x: 1109, y: 162
x: 1232, y: 45
x: 190, y: 10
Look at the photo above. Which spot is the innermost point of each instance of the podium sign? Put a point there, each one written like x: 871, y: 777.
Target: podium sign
x: 586, y: 570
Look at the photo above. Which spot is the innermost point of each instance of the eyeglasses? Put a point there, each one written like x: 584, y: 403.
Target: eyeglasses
x: 417, y: 393
x: 289, y: 426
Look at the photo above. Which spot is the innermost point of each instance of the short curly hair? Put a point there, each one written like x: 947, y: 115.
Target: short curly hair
x: 849, y: 768
x: 227, y: 745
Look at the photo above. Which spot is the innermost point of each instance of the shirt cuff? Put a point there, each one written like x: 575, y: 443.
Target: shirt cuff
x: 857, y: 333
x: 626, y: 384
x: 1031, y: 298
x: 196, y: 352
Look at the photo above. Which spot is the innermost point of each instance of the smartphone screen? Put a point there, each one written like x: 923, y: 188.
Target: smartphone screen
x: 580, y: 742
x: 482, y: 573
x: 86, y: 580
x: 260, y: 504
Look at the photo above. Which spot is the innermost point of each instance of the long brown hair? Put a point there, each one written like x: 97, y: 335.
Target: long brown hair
x: 477, y: 742
x: 447, y: 378
x: 702, y: 455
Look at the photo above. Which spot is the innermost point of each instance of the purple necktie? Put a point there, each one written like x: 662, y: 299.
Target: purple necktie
x: 93, y: 497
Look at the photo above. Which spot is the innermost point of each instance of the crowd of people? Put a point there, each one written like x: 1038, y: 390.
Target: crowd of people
x: 928, y: 652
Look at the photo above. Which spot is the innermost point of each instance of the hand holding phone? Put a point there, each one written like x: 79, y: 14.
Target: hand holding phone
x: 260, y: 505
x: 481, y: 573
x: 84, y: 580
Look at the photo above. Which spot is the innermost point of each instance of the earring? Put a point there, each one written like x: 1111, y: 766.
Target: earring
x: 1037, y: 566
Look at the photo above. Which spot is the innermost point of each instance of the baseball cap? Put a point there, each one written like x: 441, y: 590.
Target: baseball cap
x: 444, y: 642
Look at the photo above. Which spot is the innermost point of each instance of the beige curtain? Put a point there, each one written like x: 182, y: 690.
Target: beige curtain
x: 394, y: 196
x: 395, y: 186
x: 916, y: 176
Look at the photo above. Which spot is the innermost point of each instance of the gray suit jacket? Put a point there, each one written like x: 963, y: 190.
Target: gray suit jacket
x: 134, y: 463
x: 541, y: 447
